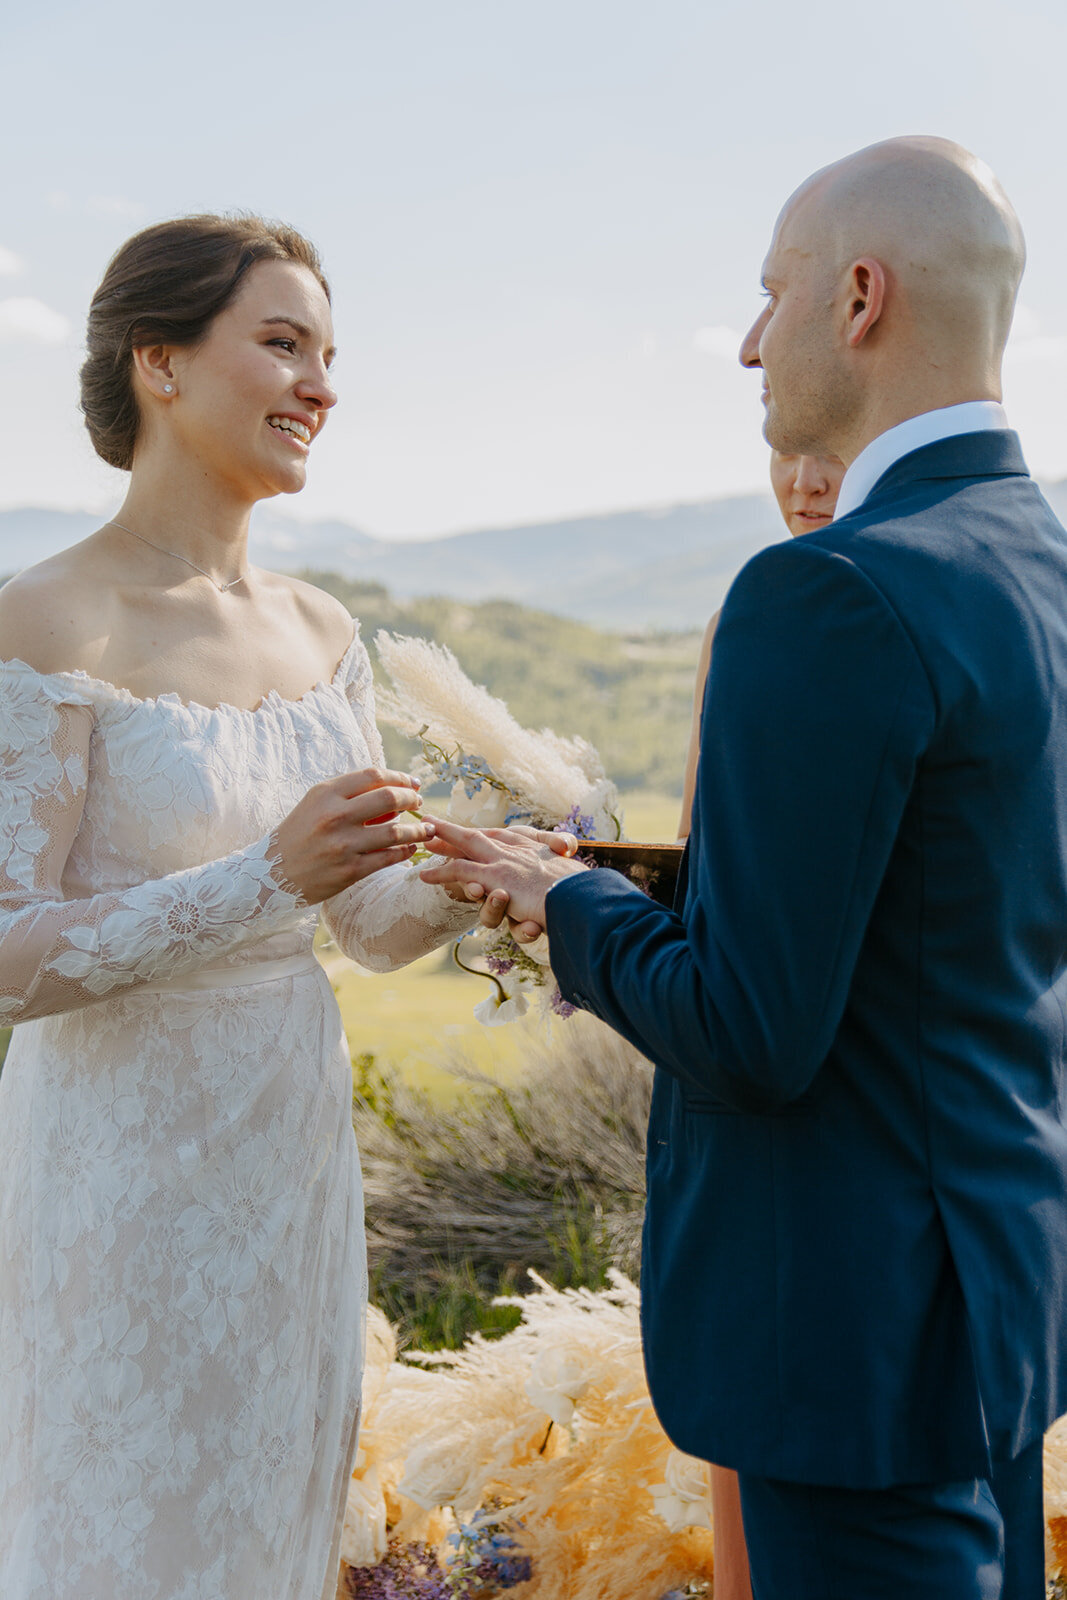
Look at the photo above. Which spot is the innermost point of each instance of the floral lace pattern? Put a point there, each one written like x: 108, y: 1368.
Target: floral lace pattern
x: 182, y: 1268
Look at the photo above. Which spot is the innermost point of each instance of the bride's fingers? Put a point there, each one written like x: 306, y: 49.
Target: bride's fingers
x: 350, y: 785
x: 526, y: 932
x: 385, y: 802
x: 467, y: 844
x: 369, y: 838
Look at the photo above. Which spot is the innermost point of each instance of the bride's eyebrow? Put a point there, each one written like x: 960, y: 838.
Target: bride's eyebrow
x: 300, y: 328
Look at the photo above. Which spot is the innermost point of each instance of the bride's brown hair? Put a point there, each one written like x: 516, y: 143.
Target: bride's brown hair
x: 166, y: 285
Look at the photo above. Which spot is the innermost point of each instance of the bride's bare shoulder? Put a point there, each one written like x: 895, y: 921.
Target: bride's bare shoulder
x: 323, y: 616
x: 55, y: 616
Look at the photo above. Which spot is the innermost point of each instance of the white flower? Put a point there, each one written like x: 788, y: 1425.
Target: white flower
x: 24, y: 843
x: 152, y: 785
x: 485, y: 808
x: 161, y: 922
x: 243, y: 1201
x: 363, y: 1539
x: 433, y: 1474
x: 27, y: 722
x: 683, y: 1500
x: 557, y: 1379
x: 271, y: 1447
x: 106, y: 1434
x: 494, y: 1012
x: 84, y: 1170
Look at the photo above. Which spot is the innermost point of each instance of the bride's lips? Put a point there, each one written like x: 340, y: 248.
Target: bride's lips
x: 297, y: 430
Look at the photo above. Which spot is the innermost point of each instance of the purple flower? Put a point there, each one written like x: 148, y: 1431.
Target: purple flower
x: 561, y: 1007
x: 578, y: 823
x: 498, y: 965
x: 408, y: 1572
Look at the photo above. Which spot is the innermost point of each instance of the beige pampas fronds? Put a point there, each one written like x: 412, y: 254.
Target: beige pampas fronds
x: 431, y: 695
x: 553, y: 1427
x: 1056, y: 1501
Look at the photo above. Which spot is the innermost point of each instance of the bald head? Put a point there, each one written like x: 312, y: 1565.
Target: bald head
x: 937, y: 220
x: 909, y: 255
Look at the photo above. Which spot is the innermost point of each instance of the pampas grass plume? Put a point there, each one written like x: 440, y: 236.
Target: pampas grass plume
x: 430, y: 692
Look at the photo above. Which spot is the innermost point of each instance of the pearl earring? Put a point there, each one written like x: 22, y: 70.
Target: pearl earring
x: 168, y: 388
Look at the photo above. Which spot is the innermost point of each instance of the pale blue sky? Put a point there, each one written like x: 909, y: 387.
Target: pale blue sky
x: 537, y: 219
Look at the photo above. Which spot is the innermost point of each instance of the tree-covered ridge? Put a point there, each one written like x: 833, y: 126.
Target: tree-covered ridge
x: 630, y: 695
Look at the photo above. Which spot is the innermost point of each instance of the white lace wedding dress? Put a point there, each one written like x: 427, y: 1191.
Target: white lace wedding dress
x: 182, y: 1265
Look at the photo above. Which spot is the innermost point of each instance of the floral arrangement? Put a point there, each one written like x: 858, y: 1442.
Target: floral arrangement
x: 533, y: 1462
x: 499, y: 774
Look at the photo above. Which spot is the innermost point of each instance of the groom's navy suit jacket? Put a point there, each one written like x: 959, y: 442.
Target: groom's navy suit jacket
x: 855, y: 1250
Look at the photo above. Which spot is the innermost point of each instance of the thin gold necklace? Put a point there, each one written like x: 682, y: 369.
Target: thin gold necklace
x: 221, y: 587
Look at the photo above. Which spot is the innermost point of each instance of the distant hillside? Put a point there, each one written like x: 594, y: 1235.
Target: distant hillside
x: 659, y: 569
x: 630, y: 695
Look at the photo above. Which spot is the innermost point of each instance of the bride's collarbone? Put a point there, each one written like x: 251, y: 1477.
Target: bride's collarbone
x: 204, y: 649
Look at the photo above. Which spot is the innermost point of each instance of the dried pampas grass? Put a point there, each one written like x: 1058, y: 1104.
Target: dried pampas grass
x: 583, y: 1498
x: 432, y: 697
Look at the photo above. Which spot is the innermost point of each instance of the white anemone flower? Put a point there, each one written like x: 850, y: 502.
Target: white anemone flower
x: 683, y: 1500
x: 493, y: 1012
x: 557, y: 1379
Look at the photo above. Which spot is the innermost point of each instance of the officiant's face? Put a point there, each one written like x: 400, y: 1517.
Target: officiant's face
x: 792, y: 338
x: 806, y: 489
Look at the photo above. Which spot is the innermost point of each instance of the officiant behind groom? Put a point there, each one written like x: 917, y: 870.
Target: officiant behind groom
x: 857, y: 1007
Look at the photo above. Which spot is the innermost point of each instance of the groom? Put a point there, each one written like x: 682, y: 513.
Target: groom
x: 855, y: 1259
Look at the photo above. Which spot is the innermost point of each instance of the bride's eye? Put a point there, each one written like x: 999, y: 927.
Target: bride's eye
x: 288, y: 345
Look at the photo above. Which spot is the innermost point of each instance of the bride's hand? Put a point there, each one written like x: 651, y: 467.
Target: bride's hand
x: 347, y: 828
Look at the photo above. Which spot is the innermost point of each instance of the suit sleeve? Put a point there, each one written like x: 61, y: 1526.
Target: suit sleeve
x: 817, y: 712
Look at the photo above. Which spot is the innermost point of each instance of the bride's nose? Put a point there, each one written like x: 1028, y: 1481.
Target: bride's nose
x: 317, y: 391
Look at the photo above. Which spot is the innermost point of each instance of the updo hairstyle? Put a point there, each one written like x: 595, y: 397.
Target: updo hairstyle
x: 167, y: 285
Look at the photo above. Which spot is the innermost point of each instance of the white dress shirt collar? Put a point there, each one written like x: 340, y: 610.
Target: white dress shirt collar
x: 973, y: 416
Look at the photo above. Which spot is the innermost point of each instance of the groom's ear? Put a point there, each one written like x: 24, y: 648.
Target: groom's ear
x: 865, y: 299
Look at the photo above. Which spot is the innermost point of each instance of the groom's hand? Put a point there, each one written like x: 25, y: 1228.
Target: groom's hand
x: 520, y: 865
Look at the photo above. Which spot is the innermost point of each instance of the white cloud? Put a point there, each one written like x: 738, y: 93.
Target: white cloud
x: 718, y: 341
x: 10, y: 265
x: 95, y: 205
x: 32, y: 321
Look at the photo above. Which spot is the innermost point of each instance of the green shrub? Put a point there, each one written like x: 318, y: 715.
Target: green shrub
x: 630, y: 695
x: 464, y: 1198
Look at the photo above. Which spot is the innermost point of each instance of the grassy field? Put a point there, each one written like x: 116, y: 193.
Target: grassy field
x: 419, y: 1019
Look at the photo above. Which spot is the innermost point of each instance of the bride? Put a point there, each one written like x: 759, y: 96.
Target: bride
x: 189, y: 772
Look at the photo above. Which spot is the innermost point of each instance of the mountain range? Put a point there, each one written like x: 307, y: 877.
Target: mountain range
x: 661, y: 568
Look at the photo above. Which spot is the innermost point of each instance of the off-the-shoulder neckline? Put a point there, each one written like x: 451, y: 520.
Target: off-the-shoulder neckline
x: 271, y: 700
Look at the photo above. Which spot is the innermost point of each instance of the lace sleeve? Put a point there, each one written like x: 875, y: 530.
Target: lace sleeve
x: 392, y: 917
x: 57, y: 954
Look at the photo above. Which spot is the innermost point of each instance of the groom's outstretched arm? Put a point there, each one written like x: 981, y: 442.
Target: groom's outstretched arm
x: 817, y: 712
x: 818, y: 709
